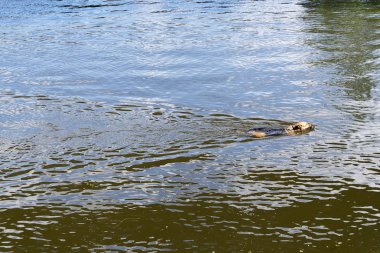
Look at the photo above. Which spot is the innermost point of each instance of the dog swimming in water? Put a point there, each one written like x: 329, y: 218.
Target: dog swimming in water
x: 293, y: 129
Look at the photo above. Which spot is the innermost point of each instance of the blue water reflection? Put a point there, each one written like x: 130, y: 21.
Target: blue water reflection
x: 121, y: 126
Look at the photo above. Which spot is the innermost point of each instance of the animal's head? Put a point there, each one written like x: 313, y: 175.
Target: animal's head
x: 299, y: 127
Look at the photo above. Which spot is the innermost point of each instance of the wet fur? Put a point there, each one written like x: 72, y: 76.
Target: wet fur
x: 293, y: 129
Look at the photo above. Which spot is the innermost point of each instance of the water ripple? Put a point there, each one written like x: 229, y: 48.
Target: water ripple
x: 121, y: 126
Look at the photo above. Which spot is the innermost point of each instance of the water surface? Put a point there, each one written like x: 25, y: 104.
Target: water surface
x: 120, y: 121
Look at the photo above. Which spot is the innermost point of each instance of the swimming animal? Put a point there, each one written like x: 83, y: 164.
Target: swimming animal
x: 293, y: 129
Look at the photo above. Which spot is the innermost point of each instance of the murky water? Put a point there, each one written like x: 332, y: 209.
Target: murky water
x: 120, y: 121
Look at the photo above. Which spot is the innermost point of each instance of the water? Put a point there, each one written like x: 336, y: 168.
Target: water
x: 119, y: 119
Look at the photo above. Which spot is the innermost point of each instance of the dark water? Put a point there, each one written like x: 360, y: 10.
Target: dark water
x: 118, y: 126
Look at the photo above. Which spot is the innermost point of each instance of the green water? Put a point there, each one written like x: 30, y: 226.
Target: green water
x: 120, y: 126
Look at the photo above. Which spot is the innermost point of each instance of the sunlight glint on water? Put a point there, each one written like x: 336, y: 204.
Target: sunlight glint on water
x: 121, y: 122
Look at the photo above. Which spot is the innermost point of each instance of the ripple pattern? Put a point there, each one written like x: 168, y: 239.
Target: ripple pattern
x: 122, y: 126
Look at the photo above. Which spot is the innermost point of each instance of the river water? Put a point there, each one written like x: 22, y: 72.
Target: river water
x: 120, y: 122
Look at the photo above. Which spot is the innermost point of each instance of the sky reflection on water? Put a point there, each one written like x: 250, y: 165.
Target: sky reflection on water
x: 120, y: 126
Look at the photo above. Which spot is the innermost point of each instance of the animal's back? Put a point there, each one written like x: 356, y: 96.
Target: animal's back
x: 266, y: 131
